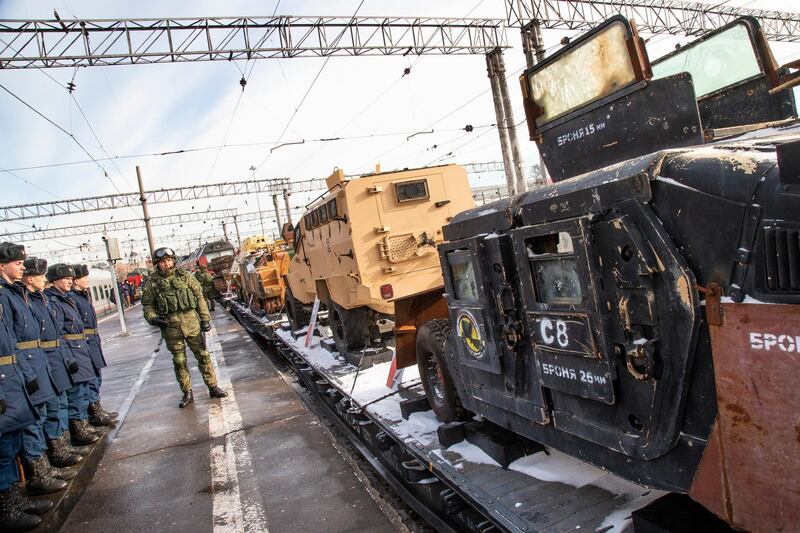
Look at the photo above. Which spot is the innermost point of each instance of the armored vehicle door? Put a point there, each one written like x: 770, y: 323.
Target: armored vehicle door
x: 611, y: 315
x: 479, y: 279
x: 561, y: 315
x: 469, y: 302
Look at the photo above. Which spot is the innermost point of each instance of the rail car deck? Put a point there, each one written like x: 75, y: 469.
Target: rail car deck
x: 458, y: 486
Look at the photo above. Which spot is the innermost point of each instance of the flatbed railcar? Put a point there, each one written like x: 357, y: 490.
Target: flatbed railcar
x: 460, y: 487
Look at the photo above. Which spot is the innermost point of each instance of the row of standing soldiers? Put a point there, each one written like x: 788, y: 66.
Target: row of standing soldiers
x: 50, y: 377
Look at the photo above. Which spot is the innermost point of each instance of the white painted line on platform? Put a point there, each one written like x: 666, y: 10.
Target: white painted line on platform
x: 126, y: 405
x: 231, y: 512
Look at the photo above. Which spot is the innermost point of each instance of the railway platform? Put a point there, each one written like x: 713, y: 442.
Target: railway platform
x: 257, y: 460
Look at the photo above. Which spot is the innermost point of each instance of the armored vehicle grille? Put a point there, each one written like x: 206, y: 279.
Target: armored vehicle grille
x: 401, y: 247
x: 782, y: 259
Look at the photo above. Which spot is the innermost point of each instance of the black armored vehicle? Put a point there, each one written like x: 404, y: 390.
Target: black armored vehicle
x: 642, y: 312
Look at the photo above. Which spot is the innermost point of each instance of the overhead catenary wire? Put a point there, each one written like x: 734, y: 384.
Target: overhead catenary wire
x: 32, y: 184
x: 449, y: 114
x: 70, y: 87
x: 243, y: 82
x: 308, y: 91
x: 405, y: 74
x: 432, y: 124
x: 182, y: 151
x: 60, y: 128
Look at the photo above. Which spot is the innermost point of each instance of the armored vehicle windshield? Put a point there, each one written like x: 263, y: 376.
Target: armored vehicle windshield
x: 721, y: 60
x: 598, y: 101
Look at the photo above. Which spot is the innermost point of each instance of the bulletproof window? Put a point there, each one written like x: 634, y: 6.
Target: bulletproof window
x: 554, y: 269
x: 332, y: 211
x: 599, y: 65
x: 721, y: 60
x: 462, y: 271
x: 308, y: 221
x: 94, y: 292
x: 409, y: 191
x: 323, y: 214
x: 314, y: 219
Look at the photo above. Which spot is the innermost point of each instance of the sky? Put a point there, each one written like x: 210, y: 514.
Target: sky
x: 141, y: 109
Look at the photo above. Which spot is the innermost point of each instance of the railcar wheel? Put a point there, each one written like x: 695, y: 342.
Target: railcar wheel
x: 436, y: 380
x: 350, y: 327
x: 298, y: 315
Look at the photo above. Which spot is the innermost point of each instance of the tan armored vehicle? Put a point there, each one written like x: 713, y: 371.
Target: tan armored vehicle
x: 369, y: 241
x: 262, y: 264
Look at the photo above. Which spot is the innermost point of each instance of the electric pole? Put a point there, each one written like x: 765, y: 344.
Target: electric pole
x: 146, y: 214
x: 288, y: 209
x: 236, y: 226
x: 277, y: 212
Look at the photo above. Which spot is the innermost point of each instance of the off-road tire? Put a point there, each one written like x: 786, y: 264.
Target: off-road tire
x: 432, y: 339
x: 299, y: 315
x: 350, y: 327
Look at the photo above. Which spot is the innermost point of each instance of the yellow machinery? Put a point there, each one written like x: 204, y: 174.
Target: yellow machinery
x: 262, y: 264
x: 370, y: 241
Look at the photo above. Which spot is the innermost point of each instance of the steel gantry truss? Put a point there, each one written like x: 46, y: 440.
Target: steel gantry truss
x: 117, y: 225
x: 126, y: 246
x: 178, y: 194
x: 175, y: 194
x: 134, y: 223
x: 651, y: 16
x: 77, y: 43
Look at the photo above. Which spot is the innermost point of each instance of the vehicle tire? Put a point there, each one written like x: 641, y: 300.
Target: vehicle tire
x: 432, y: 340
x: 299, y: 316
x: 350, y: 327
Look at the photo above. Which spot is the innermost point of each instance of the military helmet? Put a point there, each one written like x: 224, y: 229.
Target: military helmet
x: 35, y: 266
x: 59, y: 271
x: 81, y: 271
x: 163, y: 253
x: 10, y: 252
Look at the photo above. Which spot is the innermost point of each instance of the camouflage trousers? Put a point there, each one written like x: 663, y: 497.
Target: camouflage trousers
x: 176, y: 343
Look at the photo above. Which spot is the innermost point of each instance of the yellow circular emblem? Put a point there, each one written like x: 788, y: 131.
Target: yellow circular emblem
x: 470, y: 333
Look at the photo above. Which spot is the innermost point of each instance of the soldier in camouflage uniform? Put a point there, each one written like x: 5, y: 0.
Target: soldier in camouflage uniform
x: 173, y: 301
x: 207, y: 283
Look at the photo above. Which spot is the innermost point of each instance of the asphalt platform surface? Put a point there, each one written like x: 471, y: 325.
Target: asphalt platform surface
x: 255, y: 461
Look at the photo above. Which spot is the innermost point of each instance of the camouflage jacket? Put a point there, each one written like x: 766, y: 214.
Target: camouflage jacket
x: 205, y: 280
x: 176, y: 297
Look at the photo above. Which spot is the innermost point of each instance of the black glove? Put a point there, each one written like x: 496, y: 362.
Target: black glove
x: 32, y: 386
x: 2, y: 406
x: 160, y: 322
x: 205, y: 326
x: 73, y: 367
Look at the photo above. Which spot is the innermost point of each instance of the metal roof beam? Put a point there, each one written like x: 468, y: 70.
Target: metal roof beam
x: 175, y: 194
x: 121, y: 225
x: 651, y: 16
x: 81, y: 43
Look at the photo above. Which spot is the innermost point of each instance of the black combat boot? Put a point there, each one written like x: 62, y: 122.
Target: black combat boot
x: 95, y: 430
x: 64, y: 474
x: 58, y: 455
x: 40, y: 478
x: 29, y: 505
x: 111, y: 414
x: 188, y: 398
x: 79, y: 450
x: 12, y: 517
x: 80, y: 434
x: 96, y: 411
x: 216, y: 392
x: 98, y: 417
